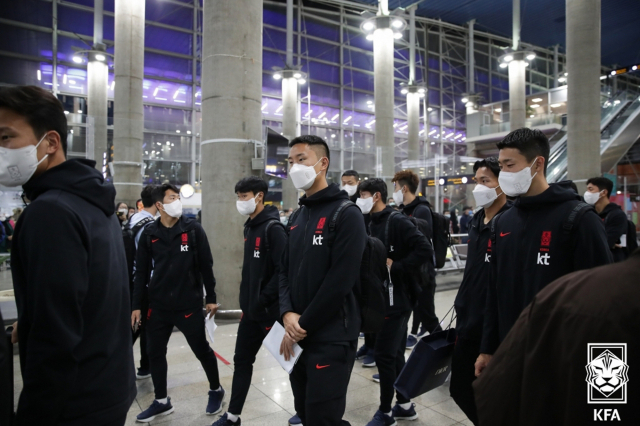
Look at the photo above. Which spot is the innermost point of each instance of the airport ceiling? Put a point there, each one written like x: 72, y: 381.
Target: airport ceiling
x: 543, y: 22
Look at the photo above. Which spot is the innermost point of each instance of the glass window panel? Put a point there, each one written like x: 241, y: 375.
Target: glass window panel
x: 321, y: 29
x: 359, y: 60
x: 75, y: 20
x: 324, y: 72
x: 159, y: 172
x: 271, y: 86
x: 25, y: 42
x: 157, y: 146
x: 26, y: 11
x: 322, y: 94
x: 169, y: 40
x: 167, y: 66
x: 170, y: 14
x: 20, y: 71
x: 319, y: 50
x: 275, y: 39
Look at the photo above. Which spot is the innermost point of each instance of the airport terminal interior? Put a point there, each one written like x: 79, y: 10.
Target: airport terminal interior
x: 202, y: 93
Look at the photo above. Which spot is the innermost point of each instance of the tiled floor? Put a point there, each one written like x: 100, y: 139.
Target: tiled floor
x: 270, y: 400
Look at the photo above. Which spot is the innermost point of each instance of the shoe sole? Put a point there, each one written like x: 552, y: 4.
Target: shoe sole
x: 376, y: 380
x: 213, y: 414
x: 358, y: 358
x: 149, y: 419
x: 368, y: 365
x: 221, y: 404
x: 142, y: 377
x: 412, y: 418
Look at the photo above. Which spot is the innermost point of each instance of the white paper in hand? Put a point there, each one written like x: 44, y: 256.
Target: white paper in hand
x: 211, y: 326
x: 272, y: 343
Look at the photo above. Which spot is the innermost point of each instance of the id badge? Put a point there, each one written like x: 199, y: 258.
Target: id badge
x: 390, y: 287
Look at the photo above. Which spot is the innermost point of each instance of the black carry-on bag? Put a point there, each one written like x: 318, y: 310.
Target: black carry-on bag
x: 6, y: 380
x: 429, y: 364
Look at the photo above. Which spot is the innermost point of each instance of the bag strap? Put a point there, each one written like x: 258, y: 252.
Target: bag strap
x: 494, y: 221
x: 386, y: 229
x: 266, y: 232
x: 144, y: 222
x: 336, y: 213
x: 574, y: 216
x: 292, y: 218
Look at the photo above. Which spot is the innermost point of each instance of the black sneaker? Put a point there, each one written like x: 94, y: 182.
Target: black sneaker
x: 215, y: 401
x: 156, y: 409
x: 362, y: 352
x: 369, y: 361
x: 224, y: 421
x: 143, y: 373
x: 381, y: 419
x: 401, y: 414
x: 376, y: 378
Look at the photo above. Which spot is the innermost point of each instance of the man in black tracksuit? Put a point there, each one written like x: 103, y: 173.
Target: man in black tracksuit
x: 407, y: 250
x: 615, y: 220
x: 69, y: 273
x: 472, y: 295
x: 320, y: 268
x: 531, y: 244
x: 177, y: 250
x: 406, y: 183
x: 264, y: 242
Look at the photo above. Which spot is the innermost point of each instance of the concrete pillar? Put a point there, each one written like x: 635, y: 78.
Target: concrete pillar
x: 383, y: 89
x: 128, y: 112
x: 517, y: 94
x: 290, y: 129
x: 97, y: 91
x: 231, y: 118
x: 583, y: 90
x: 413, y: 121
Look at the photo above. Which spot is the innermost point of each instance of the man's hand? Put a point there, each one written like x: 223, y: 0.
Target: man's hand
x: 389, y: 263
x: 135, y: 318
x: 286, y: 348
x: 482, y: 362
x: 291, y: 326
x: 212, y: 309
x: 14, y: 333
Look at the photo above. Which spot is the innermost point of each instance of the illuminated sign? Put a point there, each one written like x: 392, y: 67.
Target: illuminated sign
x: 449, y: 180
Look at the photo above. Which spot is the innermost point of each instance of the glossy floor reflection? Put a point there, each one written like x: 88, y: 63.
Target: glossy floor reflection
x: 270, y: 400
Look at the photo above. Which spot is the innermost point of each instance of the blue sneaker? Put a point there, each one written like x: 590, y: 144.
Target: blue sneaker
x: 295, y: 421
x: 411, y: 341
x: 362, y: 352
x: 215, y: 401
x: 381, y: 419
x: 402, y: 414
x: 156, y: 409
x: 369, y: 361
x: 224, y: 421
x: 376, y: 378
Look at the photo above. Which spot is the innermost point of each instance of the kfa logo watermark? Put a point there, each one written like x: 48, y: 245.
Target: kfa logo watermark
x: 607, y: 377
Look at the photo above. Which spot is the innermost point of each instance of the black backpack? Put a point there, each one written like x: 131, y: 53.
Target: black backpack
x: 129, y: 238
x: 441, y: 239
x: 632, y: 237
x: 369, y: 292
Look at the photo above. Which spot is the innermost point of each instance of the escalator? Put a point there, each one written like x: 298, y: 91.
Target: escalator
x: 619, y: 129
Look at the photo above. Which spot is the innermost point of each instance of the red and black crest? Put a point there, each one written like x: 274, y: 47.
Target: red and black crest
x: 546, y: 239
x: 257, y: 243
x: 321, y: 223
x: 185, y: 238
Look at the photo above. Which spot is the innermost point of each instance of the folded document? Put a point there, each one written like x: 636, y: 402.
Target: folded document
x: 273, y: 341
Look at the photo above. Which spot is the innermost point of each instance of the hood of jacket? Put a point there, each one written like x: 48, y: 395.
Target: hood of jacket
x: 609, y: 208
x: 416, y: 202
x: 327, y: 195
x: 78, y: 177
x: 556, y: 193
x: 267, y: 214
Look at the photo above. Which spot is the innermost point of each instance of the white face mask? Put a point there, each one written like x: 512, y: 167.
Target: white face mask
x: 484, y: 195
x: 365, y: 204
x: 124, y: 212
x: 303, y: 176
x: 18, y: 165
x: 247, y: 207
x: 351, y: 189
x: 518, y: 183
x: 173, y: 209
x: 398, y: 197
x: 591, y: 197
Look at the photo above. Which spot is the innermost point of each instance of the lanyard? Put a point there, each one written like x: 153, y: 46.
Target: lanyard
x: 390, y: 286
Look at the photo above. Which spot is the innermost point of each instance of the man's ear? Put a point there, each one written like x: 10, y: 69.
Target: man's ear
x: 55, y: 143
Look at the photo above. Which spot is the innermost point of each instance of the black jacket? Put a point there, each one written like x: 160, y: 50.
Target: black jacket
x: 175, y: 283
x: 408, y: 249
x: 531, y: 250
x: 71, y: 285
x: 420, y: 209
x: 317, y: 278
x: 261, y: 268
x: 615, y: 224
x: 472, y: 295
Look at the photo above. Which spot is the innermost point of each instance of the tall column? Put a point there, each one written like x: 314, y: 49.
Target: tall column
x: 583, y: 90
x: 231, y: 120
x: 517, y: 83
x: 97, y: 89
x: 413, y: 100
x: 555, y: 65
x: 128, y: 112
x: 383, y: 89
x: 290, y: 111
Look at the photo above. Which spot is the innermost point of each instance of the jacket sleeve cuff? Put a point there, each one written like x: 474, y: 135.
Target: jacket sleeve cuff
x: 211, y: 298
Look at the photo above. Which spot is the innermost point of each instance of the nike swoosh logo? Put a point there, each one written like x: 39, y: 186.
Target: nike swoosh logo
x: 294, y: 227
x: 268, y: 328
x: 187, y: 316
x: 156, y: 240
x: 504, y: 234
x: 320, y: 367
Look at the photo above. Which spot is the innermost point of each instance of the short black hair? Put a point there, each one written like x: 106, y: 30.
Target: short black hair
x: 602, y: 183
x: 530, y: 143
x: 490, y: 163
x: 160, y: 191
x: 408, y: 178
x: 40, y: 108
x: 374, y: 185
x: 252, y: 184
x: 314, y: 142
x: 147, y: 196
x: 351, y: 173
